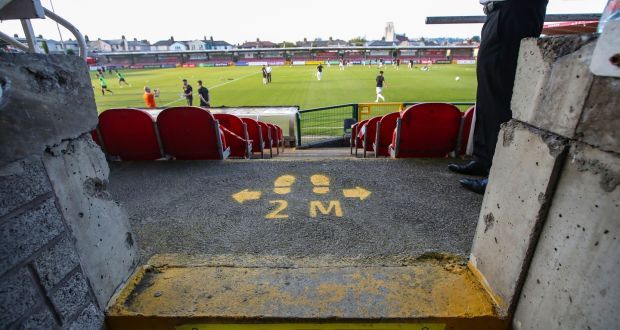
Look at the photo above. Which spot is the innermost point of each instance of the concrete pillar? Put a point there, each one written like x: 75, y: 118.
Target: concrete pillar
x: 573, y: 279
x: 546, y: 246
x: 525, y: 168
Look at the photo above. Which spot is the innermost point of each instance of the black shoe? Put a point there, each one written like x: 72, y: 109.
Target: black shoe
x: 476, y: 185
x: 471, y: 168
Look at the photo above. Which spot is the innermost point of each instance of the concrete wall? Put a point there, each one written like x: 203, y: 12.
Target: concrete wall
x: 546, y: 242
x: 64, y: 246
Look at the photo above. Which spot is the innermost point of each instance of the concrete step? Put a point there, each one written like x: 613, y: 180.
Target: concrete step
x: 273, y: 292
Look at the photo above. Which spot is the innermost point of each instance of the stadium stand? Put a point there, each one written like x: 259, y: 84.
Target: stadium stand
x: 189, y: 133
x: 128, y: 134
x: 426, y: 130
x: 236, y: 134
x: 256, y: 135
x: 384, y: 132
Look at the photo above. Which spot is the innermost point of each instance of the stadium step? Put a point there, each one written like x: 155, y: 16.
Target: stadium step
x: 269, y: 292
x: 311, y: 240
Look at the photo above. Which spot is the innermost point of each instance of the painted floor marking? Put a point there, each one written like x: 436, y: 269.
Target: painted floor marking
x: 284, y: 184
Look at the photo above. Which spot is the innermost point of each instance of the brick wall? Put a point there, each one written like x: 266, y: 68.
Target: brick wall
x: 42, y: 285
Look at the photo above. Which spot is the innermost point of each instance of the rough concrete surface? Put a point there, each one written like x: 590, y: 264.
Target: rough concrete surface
x: 46, y: 99
x: 525, y: 167
x: 573, y: 278
x: 70, y: 297
x: 56, y: 262
x: 43, y: 319
x: 600, y: 122
x: 23, y: 235
x: 414, y: 207
x: 90, y: 319
x: 552, y: 82
x: 17, y: 295
x: 21, y: 182
x: 79, y: 173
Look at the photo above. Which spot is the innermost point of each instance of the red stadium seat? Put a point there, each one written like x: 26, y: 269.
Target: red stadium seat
x: 466, y: 124
x: 280, y: 137
x: 266, y: 131
x: 191, y: 133
x: 426, y: 130
x: 236, y: 133
x: 369, y: 133
x: 385, y: 131
x: 255, y: 134
x: 356, y: 141
x: 128, y: 134
x: 275, y: 137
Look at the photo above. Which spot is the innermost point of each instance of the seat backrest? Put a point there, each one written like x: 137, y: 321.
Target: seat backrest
x: 429, y: 130
x: 355, y: 129
x: 370, y: 132
x: 190, y: 133
x: 468, y: 118
x: 264, y: 128
x: 386, y: 131
x: 129, y: 134
x: 255, y: 133
x: 275, y: 137
x: 230, y: 122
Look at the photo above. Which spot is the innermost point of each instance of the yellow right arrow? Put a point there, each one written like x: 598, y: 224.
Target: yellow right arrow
x: 246, y: 195
x: 358, y: 192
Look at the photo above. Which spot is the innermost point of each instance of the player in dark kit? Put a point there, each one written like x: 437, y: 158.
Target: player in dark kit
x: 188, y: 91
x: 380, y: 84
x: 203, y: 92
x: 319, y: 72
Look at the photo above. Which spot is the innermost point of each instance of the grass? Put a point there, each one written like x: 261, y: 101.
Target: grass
x: 242, y: 86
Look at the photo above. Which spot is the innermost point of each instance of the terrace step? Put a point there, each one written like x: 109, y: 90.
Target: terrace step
x: 271, y: 292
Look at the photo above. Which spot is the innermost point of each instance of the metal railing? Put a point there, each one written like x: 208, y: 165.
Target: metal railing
x: 333, y: 122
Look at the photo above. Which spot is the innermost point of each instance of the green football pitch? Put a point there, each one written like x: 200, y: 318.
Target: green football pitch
x: 243, y: 86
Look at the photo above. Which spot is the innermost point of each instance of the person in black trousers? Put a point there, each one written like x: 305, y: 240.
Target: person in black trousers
x: 507, y: 23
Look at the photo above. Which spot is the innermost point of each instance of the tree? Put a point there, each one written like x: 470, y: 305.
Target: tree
x: 70, y: 52
x: 358, y: 41
x: 475, y: 39
x: 286, y: 44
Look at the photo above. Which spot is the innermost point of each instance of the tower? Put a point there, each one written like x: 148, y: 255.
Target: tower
x: 390, y: 35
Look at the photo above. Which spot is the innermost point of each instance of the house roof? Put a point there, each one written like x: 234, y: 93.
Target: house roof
x: 167, y: 42
x: 259, y: 44
x: 381, y: 43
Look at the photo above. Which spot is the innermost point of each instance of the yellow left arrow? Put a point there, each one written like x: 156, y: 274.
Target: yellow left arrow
x: 246, y: 195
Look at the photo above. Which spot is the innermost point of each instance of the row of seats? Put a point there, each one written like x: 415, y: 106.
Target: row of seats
x: 422, y: 130
x: 184, y: 133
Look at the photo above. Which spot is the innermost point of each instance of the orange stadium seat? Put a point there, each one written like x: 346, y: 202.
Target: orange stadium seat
x: 426, y: 130
x: 266, y: 131
x: 128, y: 134
x: 256, y: 135
x: 466, y: 122
x: 385, y: 130
x: 236, y: 133
x: 369, y: 133
x: 191, y: 133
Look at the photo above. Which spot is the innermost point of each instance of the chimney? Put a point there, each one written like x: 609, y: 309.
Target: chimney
x: 331, y: 39
x: 15, y: 35
x: 204, y: 38
x: 123, y: 37
x: 86, y: 38
x: 211, y: 38
x: 171, y: 38
x: 305, y: 39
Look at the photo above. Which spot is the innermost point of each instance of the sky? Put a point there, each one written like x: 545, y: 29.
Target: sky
x: 273, y: 20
